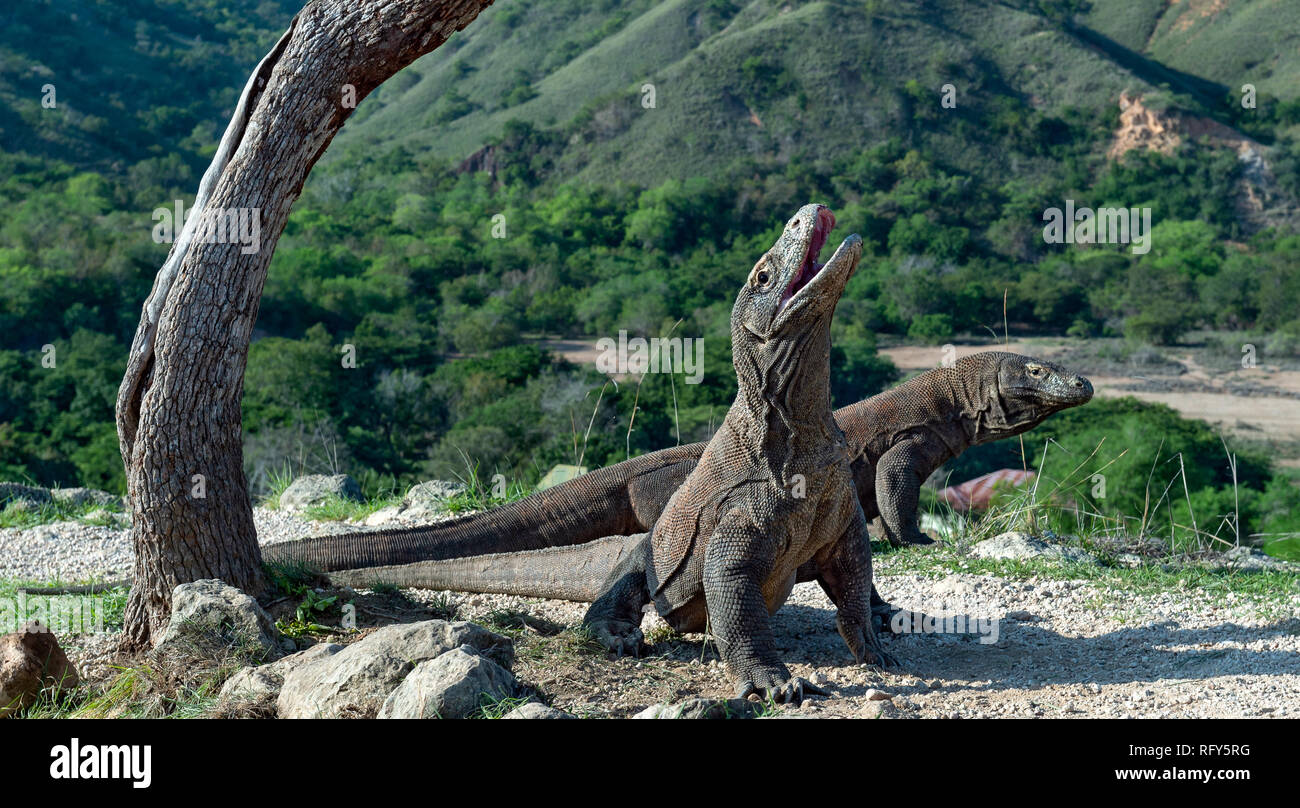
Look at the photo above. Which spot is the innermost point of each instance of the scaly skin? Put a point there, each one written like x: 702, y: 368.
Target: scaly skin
x: 772, y: 489
x: 895, y: 439
x: 772, y: 492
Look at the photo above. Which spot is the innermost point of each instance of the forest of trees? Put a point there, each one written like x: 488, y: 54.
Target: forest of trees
x: 396, y: 253
x: 396, y: 256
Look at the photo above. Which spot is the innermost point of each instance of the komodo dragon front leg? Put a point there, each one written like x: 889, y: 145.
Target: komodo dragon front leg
x: 737, y: 564
x: 844, y: 572
x: 614, y: 618
x: 898, y: 487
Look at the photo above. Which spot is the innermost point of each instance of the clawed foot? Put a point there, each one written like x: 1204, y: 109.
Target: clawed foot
x: 917, y: 537
x: 779, y: 686
x: 620, y: 637
x: 864, y: 644
x: 882, y: 618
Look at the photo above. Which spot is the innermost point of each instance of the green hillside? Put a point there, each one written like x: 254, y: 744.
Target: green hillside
x: 621, y: 216
x: 142, y: 85
x: 765, y: 81
x: 773, y: 80
x: 1227, y: 42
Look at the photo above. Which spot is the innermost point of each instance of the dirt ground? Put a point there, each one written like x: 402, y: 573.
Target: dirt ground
x: 1059, y: 649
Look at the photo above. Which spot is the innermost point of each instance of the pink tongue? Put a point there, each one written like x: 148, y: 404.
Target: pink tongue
x: 825, y: 224
x: 825, y: 221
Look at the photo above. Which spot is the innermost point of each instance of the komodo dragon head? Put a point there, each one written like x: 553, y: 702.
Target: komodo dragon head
x: 786, y: 304
x: 1019, y: 392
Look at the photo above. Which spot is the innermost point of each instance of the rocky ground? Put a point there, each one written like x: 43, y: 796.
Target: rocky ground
x: 73, y: 551
x: 1053, y: 632
x: 1063, y: 648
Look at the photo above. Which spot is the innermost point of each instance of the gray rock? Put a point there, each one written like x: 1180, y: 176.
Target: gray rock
x: 77, y: 497
x: 11, y: 492
x: 358, y: 679
x: 432, y: 493
x: 428, y: 639
x: 383, y: 515
x: 1021, y: 546
x: 704, y: 708
x: 427, y: 502
x: 1249, y: 558
x: 454, y: 685
x: 536, y: 710
x: 313, y: 489
x: 342, y: 685
x: 266, y: 680
x: 211, y: 616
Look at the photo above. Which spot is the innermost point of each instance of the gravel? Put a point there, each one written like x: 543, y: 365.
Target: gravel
x: 1064, y: 648
x: 72, y: 551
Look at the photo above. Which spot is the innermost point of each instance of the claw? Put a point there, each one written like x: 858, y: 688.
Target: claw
x: 621, y: 639
x: 919, y: 538
x: 882, y: 618
x: 790, y: 691
x: 794, y: 691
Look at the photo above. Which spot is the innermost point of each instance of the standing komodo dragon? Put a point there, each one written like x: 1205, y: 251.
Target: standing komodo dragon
x: 771, y: 492
x: 896, y: 440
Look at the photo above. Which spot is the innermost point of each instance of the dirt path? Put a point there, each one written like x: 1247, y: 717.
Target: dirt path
x: 1062, y: 649
x: 1069, y: 648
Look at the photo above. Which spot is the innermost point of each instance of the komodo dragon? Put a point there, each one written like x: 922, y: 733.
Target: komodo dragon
x: 896, y: 440
x: 772, y: 490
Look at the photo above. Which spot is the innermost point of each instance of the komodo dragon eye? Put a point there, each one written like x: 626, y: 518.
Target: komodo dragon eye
x: 1036, y: 371
x: 763, y: 278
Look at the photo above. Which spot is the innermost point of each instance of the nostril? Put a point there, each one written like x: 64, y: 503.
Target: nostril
x: 1078, y: 382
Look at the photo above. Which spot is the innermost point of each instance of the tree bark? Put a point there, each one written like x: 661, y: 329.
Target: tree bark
x: 178, y: 409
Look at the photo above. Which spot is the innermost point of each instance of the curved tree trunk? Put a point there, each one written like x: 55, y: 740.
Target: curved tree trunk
x: 178, y: 409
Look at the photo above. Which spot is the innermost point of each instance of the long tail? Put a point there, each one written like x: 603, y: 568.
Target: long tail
x: 565, y: 573
x: 575, y: 512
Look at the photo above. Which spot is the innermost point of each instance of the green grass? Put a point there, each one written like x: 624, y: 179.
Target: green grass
x: 110, y: 603
x: 19, y: 516
x: 341, y: 509
x: 291, y: 577
x: 497, y: 706
x: 569, y: 645
x: 142, y: 691
x: 479, y: 495
x: 1268, y: 590
x: 278, y: 481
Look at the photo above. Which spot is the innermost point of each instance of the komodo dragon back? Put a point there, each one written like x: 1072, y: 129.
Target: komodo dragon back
x: 628, y: 497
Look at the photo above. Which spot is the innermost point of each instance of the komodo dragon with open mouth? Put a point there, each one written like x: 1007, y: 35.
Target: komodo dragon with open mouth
x: 772, y: 491
x: 896, y: 440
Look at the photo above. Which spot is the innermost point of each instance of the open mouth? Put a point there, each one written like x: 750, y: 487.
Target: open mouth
x: 808, y: 270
